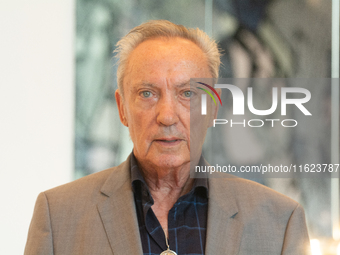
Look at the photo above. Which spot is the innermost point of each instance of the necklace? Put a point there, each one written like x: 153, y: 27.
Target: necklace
x: 168, y: 251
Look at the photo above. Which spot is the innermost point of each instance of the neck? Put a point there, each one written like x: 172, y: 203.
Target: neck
x: 166, y: 186
x: 173, y: 182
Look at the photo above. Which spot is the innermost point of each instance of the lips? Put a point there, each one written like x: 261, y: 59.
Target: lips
x: 168, y: 140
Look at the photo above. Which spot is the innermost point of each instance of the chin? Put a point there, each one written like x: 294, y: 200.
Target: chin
x: 171, y: 161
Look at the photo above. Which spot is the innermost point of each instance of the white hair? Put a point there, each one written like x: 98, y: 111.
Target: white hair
x: 164, y: 28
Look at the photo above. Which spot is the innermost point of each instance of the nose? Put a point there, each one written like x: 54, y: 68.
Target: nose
x: 167, y: 111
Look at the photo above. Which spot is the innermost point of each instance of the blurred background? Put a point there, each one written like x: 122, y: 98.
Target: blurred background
x: 59, y: 120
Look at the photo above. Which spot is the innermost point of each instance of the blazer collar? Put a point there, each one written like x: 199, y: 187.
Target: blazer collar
x: 224, y: 227
x: 118, y: 212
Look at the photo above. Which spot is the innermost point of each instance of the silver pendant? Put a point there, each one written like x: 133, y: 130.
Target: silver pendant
x: 168, y: 252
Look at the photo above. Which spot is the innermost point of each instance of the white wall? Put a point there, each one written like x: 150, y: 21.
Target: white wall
x: 36, y: 109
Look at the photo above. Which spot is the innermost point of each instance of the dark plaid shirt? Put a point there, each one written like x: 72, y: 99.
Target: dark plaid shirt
x: 187, y: 220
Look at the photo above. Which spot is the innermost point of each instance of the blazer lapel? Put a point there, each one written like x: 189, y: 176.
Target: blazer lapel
x: 118, y: 214
x: 224, y: 228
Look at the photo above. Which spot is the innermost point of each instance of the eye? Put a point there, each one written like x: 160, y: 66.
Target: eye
x: 187, y: 93
x: 146, y: 94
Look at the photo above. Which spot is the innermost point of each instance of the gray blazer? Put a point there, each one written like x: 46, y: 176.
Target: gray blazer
x: 96, y: 215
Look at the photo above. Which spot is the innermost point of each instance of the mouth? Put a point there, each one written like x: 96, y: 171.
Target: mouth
x: 172, y: 141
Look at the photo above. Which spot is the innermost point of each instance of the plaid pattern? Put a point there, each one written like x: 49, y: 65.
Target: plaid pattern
x: 187, y: 220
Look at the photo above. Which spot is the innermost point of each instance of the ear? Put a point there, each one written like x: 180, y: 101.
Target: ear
x: 214, y: 109
x: 121, y: 108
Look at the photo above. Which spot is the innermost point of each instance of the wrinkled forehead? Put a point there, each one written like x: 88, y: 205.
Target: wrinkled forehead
x: 174, y: 59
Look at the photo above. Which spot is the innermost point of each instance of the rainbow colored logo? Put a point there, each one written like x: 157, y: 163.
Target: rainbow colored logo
x: 212, y: 89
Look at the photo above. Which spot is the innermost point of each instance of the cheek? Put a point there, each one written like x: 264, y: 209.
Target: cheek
x: 133, y: 113
x: 198, y: 126
x: 139, y: 126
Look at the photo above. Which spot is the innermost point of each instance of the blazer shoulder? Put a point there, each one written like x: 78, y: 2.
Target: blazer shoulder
x: 92, y: 180
x: 253, y: 197
x: 257, y: 190
x: 90, y: 185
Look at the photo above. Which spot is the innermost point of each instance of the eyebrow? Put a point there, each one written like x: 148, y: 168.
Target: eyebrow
x: 146, y: 84
x: 181, y: 85
x: 151, y: 85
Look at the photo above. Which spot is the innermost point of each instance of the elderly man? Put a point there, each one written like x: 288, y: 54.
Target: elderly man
x: 149, y: 204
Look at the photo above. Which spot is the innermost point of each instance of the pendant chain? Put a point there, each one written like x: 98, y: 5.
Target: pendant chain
x: 168, y: 251
x: 166, y: 240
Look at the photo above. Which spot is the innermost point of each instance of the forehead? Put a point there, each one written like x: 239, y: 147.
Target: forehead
x: 164, y: 45
x: 172, y: 59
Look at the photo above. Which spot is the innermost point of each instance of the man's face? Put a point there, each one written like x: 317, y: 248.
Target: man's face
x: 157, y: 98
